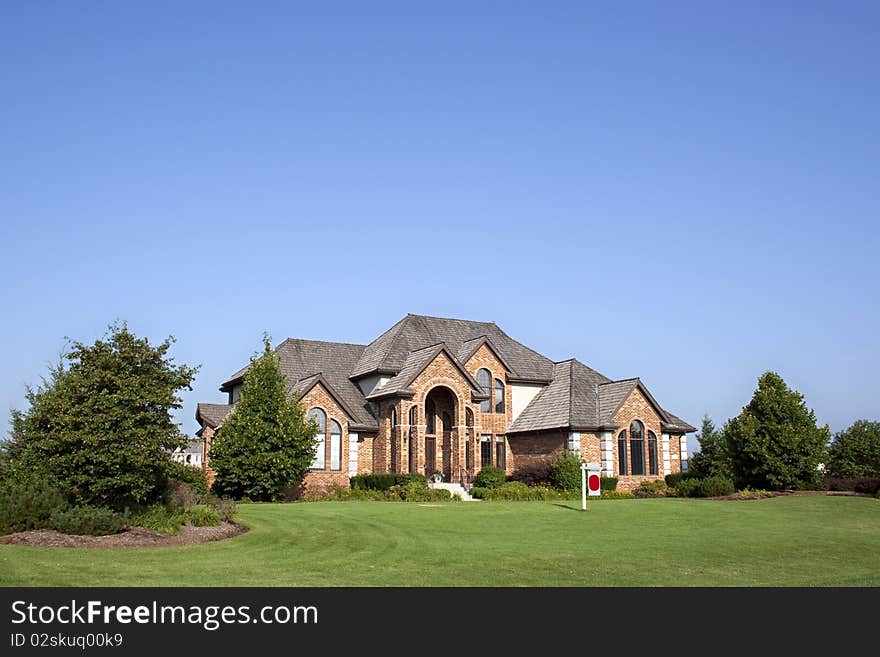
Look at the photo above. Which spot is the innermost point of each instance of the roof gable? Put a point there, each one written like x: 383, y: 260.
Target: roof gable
x: 390, y: 351
x: 415, y: 364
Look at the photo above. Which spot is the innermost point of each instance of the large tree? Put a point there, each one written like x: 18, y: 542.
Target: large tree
x: 100, y: 423
x: 266, y: 444
x: 712, y: 459
x: 775, y: 442
x: 855, y: 452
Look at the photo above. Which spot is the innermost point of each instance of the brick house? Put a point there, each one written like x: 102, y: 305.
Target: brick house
x: 450, y: 396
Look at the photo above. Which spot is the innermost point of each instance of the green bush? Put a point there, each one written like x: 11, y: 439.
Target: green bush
x: 195, y: 478
x: 716, y: 486
x: 384, y: 481
x: 490, y: 477
x: 88, y: 520
x: 340, y: 494
x: 160, y: 518
x: 201, y: 516
x: 655, y: 488
x: 615, y: 495
x: 224, y: 507
x: 28, y: 502
x: 672, y: 480
x: 566, y: 472
x: 180, y: 495
x: 518, y: 492
x: 688, y: 487
x: 607, y: 483
x: 416, y: 491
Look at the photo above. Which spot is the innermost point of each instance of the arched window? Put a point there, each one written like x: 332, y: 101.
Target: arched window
x: 335, y: 445
x: 469, y: 440
x: 320, y: 418
x: 469, y: 418
x: 430, y: 417
x: 484, y: 378
x: 412, y: 417
x: 447, y: 421
x: 637, y: 447
x: 652, y: 454
x: 499, y: 396
x: 621, y: 454
x: 393, y: 417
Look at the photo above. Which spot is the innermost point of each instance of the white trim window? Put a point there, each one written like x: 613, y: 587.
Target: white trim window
x: 335, y: 445
x: 320, y: 418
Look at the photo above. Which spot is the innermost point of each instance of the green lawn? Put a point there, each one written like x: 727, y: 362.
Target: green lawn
x: 785, y: 541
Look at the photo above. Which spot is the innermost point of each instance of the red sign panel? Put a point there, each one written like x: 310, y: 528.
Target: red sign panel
x: 593, y: 482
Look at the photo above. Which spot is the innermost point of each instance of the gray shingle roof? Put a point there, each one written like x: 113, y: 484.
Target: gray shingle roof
x: 676, y: 424
x: 415, y: 363
x: 612, y: 394
x: 213, y: 414
x: 302, y: 360
x: 388, y: 353
x: 570, y: 401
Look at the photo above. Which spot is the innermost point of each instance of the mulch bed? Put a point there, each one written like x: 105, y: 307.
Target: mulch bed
x: 133, y: 537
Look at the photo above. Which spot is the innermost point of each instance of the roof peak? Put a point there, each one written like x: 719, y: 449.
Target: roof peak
x: 452, y: 319
x: 347, y: 344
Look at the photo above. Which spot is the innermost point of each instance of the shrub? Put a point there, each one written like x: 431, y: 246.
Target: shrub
x: 655, y: 488
x: 28, y: 502
x: 201, y: 516
x: 416, y: 491
x: 384, y: 481
x: 88, y: 520
x: 866, y: 485
x: 490, y: 477
x: 160, y: 518
x: 615, y: 495
x: 566, y: 472
x: 536, y: 473
x: 688, y: 487
x: 180, y: 495
x: 195, y: 478
x: 607, y: 483
x: 673, y: 479
x: 224, y: 507
x: 515, y: 491
x: 716, y: 486
x: 101, y: 422
x: 340, y: 494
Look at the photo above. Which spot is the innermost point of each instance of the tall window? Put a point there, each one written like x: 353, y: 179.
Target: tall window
x: 500, y: 453
x: 447, y: 421
x: 653, y: 466
x: 469, y: 418
x: 499, y: 396
x: 468, y: 453
x: 621, y: 454
x: 393, y: 417
x: 484, y: 378
x: 637, y: 447
x: 430, y: 417
x: 335, y: 445
x: 320, y: 418
x: 485, y: 451
x: 412, y: 439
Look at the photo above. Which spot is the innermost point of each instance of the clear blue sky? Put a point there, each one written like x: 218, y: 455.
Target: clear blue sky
x: 685, y: 192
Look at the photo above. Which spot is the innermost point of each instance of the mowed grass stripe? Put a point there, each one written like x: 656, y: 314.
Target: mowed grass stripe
x: 785, y: 541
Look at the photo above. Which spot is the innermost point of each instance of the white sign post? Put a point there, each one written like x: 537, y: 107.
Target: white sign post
x: 589, y: 482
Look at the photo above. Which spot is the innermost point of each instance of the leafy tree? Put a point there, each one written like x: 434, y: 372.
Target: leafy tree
x: 775, y: 442
x: 712, y: 459
x: 565, y: 474
x: 100, y: 423
x: 266, y: 443
x: 855, y: 452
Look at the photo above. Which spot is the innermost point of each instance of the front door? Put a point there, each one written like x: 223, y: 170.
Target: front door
x: 430, y: 456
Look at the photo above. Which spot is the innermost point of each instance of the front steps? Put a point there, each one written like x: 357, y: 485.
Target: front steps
x: 454, y: 489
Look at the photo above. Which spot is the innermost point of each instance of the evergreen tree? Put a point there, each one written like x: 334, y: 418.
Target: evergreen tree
x: 100, y: 423
x: 856, y: 451
x: 775, y: 442
x: 712, y: 459
x: 266, y: 444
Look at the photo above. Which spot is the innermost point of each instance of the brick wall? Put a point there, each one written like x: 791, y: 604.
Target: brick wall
x: 319, y: 481
x: 530, y: 449
x: 637, y: 407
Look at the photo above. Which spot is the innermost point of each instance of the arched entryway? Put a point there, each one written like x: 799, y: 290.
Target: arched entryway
x: 441, y: 411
